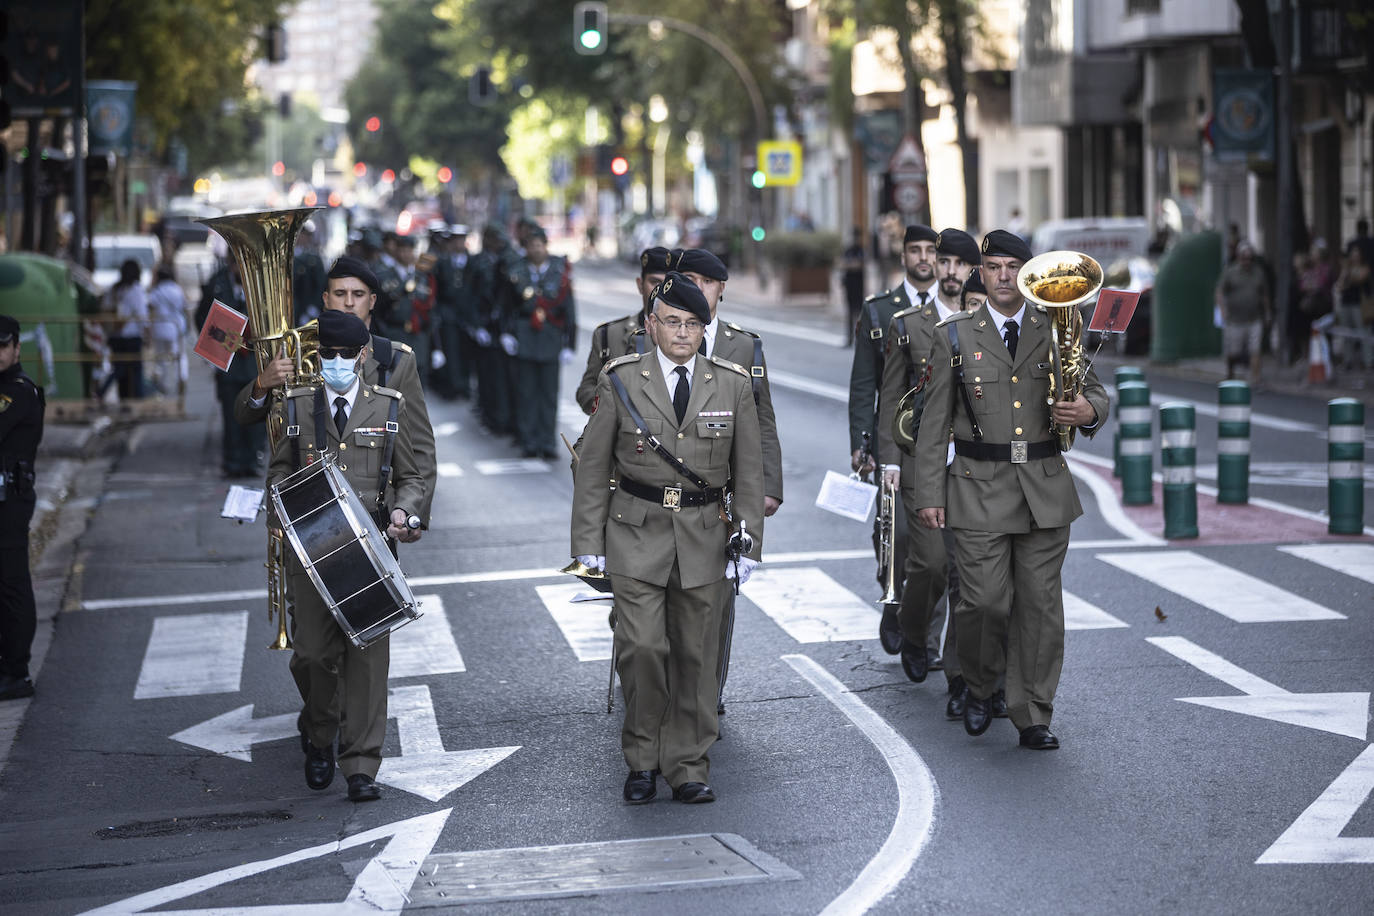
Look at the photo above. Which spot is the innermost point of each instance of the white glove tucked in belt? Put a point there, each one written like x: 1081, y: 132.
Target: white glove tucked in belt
x: 742, y: 571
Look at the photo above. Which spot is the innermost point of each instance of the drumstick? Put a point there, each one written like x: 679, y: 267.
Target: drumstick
x: 571, y: 451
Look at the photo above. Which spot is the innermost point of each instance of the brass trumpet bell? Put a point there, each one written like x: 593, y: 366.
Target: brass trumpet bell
x: 595, y: 578
x: 1060, y: 279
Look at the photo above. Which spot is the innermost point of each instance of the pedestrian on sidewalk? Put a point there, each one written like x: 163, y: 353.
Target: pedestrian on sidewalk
x: 167, y: 330
x: 1245, y: 304
x: 21, y: 429
x: 128, y: 302
x: 1354, y: 293
x: 853, y: 281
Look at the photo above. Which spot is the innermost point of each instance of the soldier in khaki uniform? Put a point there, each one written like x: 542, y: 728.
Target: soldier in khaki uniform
x: 619, y: 337
x: 354, y: 415
x: 910, y: 337
x: 1007, y: 495
x: 662, y: 537
x: 866, y: 378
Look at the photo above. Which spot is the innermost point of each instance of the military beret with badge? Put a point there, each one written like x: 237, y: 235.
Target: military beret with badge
x: 958, y: 243
x: 999, y: 243
x: 919, y: 233
x: 681, y: 293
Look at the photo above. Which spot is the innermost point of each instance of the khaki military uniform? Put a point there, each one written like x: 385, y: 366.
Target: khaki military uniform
x: 1010, y: 520
x: 667, y: 566
x: 330, y: 671
x: 609, y: 341
x: 866, y: 371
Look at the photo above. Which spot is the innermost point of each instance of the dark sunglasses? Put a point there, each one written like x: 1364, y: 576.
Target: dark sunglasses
x: 345, y: 352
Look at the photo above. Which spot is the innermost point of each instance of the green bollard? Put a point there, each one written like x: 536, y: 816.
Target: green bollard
x: 1135, y: 421
x: 1345, y: 466
x: 1233, y: 442
x: 1178, y: 462
x: 1122, y: 374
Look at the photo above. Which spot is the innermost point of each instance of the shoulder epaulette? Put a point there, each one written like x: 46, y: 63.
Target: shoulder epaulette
x: 957, y: 316
x: 734, y: 327
x: 389, y: 392
x: 907, y: 312
x: 404, y: 347
x: 301, y: 390
x: 726, y: 364
x: 878, y: 295
x: 623, y: 360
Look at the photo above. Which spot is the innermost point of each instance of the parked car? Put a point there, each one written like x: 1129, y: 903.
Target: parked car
x: 179, y: 221
x: 113, y: 250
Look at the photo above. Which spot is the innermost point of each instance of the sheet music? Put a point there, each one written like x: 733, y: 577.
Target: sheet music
x: 843, y: 495
x: 242, y: 503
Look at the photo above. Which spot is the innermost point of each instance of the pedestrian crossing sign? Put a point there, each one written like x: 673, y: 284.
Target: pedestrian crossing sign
x: 781, y: 162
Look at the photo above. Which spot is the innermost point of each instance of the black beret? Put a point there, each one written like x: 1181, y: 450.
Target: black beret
x: 654, y: 260
x: 681, y: 293
x: 406, y: 240
x: 919, y: 233
x: 974, y: 283
x: 9, y: 329
x: 958, y: 243
x: 536, y: 231
x: 342, y: 329
x: 999, y: 243
x: 349, y: 266
x: 698, y: 261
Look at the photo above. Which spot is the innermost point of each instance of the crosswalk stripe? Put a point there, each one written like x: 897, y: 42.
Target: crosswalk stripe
x: 1082, y: 615
x: 1351, y: 559
x: 811, y: 606
x: 1230, y: 592
x: 425, y: 645
x: 583, y: 623
x: 193, y: 654
x: 513, y: 466
x: 450, y: 469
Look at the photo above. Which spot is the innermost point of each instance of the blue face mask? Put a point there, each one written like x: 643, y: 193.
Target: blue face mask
x: 339, y: 373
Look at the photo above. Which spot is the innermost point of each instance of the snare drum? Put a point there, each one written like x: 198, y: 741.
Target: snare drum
x: 344, y: 553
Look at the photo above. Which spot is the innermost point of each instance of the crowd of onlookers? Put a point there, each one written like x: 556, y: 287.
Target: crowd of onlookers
x: 147, y: 322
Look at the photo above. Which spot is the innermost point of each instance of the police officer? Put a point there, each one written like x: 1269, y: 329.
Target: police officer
x: 1008, y: 495
x: 454, y: 308
x: 307, y: 276
x: 543, y: 322
x: 352, y: 420
x: 910, y: 337
x: 866, y: 377
x: 672, y: 426
x: 492, y: 289
x: 241, y: 447
x: 619, y: 337
x: 21, y: 428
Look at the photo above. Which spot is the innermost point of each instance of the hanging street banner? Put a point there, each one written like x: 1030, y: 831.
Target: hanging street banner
x: 1243, y: 124
x: 110, y: 116
x: 43, y: 49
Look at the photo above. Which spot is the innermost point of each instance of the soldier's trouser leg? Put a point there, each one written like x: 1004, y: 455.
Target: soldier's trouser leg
x: 332, y: 663
x: 666, y: 642
x: 18, y: 611
x: 925, y: 576
x: 1035, y: 645
x: 951, y: 650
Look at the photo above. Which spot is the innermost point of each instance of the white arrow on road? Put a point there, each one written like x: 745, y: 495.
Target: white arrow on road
x: 1338, y: 713
x: 234, y: 733
x: 424, y: 767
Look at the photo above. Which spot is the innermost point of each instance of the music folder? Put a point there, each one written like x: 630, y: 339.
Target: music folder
x: 221, y: 336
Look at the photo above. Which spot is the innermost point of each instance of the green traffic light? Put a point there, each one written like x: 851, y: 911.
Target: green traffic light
x: 759, y: 179
x: 591, y: 39
x: 757, y: 234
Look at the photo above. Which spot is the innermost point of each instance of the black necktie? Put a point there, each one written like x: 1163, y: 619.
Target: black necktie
x: 1011, y: 334
x: 340, y: 414
x: 681, y: 393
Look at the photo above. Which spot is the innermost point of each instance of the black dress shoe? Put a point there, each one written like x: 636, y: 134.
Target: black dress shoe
x: 958, y: 697
x: 914, y: 661
x: 694, y: 793
x: 362, y: 787
x: 15, y: 688
x: 641, y: 786
x: 977, y: 717
x: 997, y: 705
x: 1039, y: 738
x: 890, y: 630
x: 319, y: 767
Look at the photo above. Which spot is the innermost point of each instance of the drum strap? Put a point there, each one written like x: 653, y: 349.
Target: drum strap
x: 388, y: 448
x: 321, y: 418
x: 293, y: 432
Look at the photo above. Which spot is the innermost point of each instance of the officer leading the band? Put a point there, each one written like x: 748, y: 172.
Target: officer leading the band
x: 21, y: 428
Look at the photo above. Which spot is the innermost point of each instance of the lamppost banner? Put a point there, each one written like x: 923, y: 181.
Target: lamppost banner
x: 1243, y: 124
x: 110, y: 114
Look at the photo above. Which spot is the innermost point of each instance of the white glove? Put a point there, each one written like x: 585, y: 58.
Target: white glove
x: 565, y: 356
x: 437, y: 359
x: 743, y: 570
x: 593, y: 561
x: 482, y: 336
x: 509, y: 344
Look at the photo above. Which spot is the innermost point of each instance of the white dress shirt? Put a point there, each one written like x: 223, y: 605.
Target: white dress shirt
x: 913, y: 295
x: 710, y: 339
x: 670, y: 376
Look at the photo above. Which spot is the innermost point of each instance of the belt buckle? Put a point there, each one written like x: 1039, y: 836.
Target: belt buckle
x: 1018, y: 452
x: 672, y: 498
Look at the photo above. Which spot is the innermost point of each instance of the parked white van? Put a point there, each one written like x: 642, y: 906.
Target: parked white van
x: 1108, y: 238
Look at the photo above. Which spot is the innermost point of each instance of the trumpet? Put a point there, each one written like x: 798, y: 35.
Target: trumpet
x: 887, y: 543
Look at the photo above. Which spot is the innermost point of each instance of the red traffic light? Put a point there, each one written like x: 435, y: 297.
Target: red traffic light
x: 389, y: 176
x: 373, y: 124
x: 279, y: 168
x: 360, y: 169
x: 619, y: 165
x: 445, y: 174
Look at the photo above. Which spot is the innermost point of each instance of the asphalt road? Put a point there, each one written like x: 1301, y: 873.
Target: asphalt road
x: 1216, y: 753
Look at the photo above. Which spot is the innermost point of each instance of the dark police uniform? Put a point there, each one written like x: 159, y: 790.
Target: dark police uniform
x: 240, y: 445
x: 544, y: 322
x: 21, y: 428
x: 456, y: 311
x: 492, y: 290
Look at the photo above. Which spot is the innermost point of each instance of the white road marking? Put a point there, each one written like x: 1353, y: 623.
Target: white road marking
x: 513, y: 466
x: 424, y: 767
x: 1285, y: 473
x: 450, y: 469
x: 780, y: 379
x: 1338, y: 713
x: 193, y: 654
x: 234, y: 733
x: 1355, y: 560
x: 811, y: 606
x: 917, y: 795
x: 1107, y: 502
x: 1230, y: 592
x: 584, y: 624
x: 1315, y: 837
x: 425, y: 645
x: 587, y: 322
x: 446, y: 429
x: 381, y: 887
x: 1210, y: 409
x: 1081, y: 615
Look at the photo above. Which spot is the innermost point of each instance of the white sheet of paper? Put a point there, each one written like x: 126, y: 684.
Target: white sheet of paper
x: 846, y: 496
x: 242, y: 503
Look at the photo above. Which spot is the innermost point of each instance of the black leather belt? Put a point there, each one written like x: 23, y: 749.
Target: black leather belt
x: 1015, y: 452
x: 671, y: 497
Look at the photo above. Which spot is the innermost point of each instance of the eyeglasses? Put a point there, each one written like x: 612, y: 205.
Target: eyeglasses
x: 345, y: 352
x: 675, y: 324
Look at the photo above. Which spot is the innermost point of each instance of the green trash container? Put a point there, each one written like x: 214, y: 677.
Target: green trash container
x: 48, y: 297
x: 1184, y: 300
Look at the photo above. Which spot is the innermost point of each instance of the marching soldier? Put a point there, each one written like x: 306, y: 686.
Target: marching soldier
x: 866, y: 377
x: 734, y: 344
x: 327, y: 419
x: 307, y: 277
x: 408, y: 320
x: 673, y: 427
x: 491, y: 288
x: 619, y: 337
x: 21, y: 429
x: 241, y: 446
x: 544, y: 324
x: 1008, y: 495
x: 456, y: 311
x: 910, y: 337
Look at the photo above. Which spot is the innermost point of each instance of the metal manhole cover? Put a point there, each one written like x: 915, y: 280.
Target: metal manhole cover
x: 197, y: 823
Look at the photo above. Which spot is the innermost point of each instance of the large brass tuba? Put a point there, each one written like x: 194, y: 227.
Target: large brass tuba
x: 1058, y: 282
x: 263, y: 245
